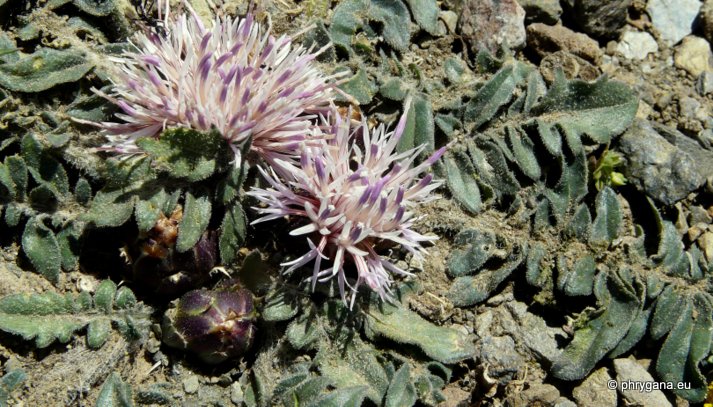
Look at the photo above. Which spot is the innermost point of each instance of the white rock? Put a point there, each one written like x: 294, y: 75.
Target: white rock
x: 693, y: 55
x: 628, y: 371
x: 673, y: 19
x: 636, y: 45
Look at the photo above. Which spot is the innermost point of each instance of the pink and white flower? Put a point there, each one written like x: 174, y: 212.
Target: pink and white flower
x: 233, y: 77
x: 352, y: 201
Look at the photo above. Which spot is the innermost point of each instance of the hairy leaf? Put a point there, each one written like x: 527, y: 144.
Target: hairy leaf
x: 43, y: 69
x: 443, y: 344
x: 50, y: 316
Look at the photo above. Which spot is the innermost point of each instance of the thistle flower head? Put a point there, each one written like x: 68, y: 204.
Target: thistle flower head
x: 233, y: 77
x: 354, y: 192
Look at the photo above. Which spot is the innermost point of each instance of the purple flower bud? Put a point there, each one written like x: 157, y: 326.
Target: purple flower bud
x: 216, y: 324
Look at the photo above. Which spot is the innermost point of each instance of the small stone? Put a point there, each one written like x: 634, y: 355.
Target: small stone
x: 491, y: 23
x: 628, y: 370
x: 601, y: 19
x: 673, y: 19
x: 450, y: 19
x: 663, y: 100
x: 644, y: 110
x: 535, y: 395
x: 694, y: 55
x: 455, y: 397
x: 572, y: 66
x: 705, y: 138
x: 500, y: 355
x: 688, y: 107
x: 565, y: 402
x: 532, y: 331
x: 545, y: 39
x: 541, y: 11
x: 636, y: 45
x: 657, y: 167
x: 702, y: 158
x: 190, y: 384
x: 705, y: 242
x: 236, y: 394
x: 698, y: 214
x: 594, y: 390
x: 693, y: 233
x: 704, y: 83
x: 483, y: 323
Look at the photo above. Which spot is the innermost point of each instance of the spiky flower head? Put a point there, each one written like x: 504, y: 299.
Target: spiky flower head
x: 352, y: 201
x: 233, y: 77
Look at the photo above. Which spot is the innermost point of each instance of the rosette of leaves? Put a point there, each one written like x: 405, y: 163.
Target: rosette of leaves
x: 528, y: 140
x: 36, y: 195
x: 668, y: 302
x: 348, y: 367
x: 182, y: 167
x: 529, y: 155
x: 50, y: 316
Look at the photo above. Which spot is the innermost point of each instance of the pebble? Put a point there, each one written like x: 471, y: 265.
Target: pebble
x: 694, y: 232
x: 705, y: 242
x: 450, y: 19
x: 565, y: 402
x: 629, y: 370
x: 535, y: 395
x: 673, y: 19
x: 532, y: 331
x: 545, y: 39
x: 594, y: 391
x: 657, y: 167
x: 455, y: 397
x: 601, y: 19
x: 690, y: 108
x: 190, y: 384
x: 704, y: 83
x: 693, y: 55
x: 702, y: 157
x: 636, y: 45
x: 541, y: 11
x: 492, y: 23
x: 500, y: 355
x: 236, y: 394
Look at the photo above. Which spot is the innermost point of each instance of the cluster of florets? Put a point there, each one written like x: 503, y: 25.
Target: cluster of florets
x: 349, y: 189
x: 352, y: 201
x: 246, y: 84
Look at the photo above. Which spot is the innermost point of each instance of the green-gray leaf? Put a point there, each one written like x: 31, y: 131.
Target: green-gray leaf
x: 233, y: 231
x: 41, y: 247
x: 115, y: 393
x: 196, y: 215
x: 443, y: 344
x: 43, y: 69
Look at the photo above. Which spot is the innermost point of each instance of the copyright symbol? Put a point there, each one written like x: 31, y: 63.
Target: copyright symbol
x: 611, y: 384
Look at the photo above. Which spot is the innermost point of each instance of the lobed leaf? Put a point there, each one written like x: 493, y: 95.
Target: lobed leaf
x: 443, y: 344
x: 49, y: 316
